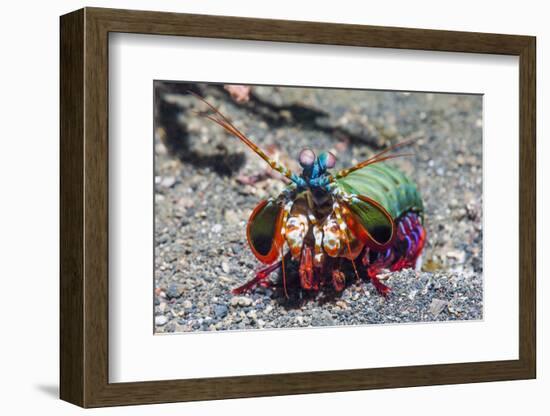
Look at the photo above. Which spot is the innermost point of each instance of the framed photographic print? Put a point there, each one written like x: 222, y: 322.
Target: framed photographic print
x: 342, y: 207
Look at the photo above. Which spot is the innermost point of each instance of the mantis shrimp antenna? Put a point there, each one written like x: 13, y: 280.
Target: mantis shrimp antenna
x: 224, y: 122
x: 379, y: 157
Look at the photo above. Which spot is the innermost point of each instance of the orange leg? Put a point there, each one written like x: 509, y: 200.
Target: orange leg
x: 306, y: 270
x: 338, y: 280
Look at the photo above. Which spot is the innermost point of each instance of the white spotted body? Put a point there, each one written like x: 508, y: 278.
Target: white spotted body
x: 296, y: 228
x: 328, y: 235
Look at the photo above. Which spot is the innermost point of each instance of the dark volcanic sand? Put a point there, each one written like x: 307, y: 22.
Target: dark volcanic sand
x: 202, y: 206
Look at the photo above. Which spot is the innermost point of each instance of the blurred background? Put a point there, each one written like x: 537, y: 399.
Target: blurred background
x: 207, y: 184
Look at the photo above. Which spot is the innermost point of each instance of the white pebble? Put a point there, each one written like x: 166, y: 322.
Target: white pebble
x: 243, y: 301
x: 437, y: 306
x: 168, y: 181
x: 161, y: 320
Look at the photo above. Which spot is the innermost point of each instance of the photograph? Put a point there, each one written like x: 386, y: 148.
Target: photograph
x: 280, y: 207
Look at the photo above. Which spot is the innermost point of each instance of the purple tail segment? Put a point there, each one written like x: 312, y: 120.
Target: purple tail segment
x: 411, y: 237
x: 408, y: 246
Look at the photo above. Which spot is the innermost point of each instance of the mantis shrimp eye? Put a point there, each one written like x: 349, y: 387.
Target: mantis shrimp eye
x: 306, y: 158
x: 327, y: 160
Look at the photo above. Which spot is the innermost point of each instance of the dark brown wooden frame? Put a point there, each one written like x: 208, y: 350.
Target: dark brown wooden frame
x: 84, y: 207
